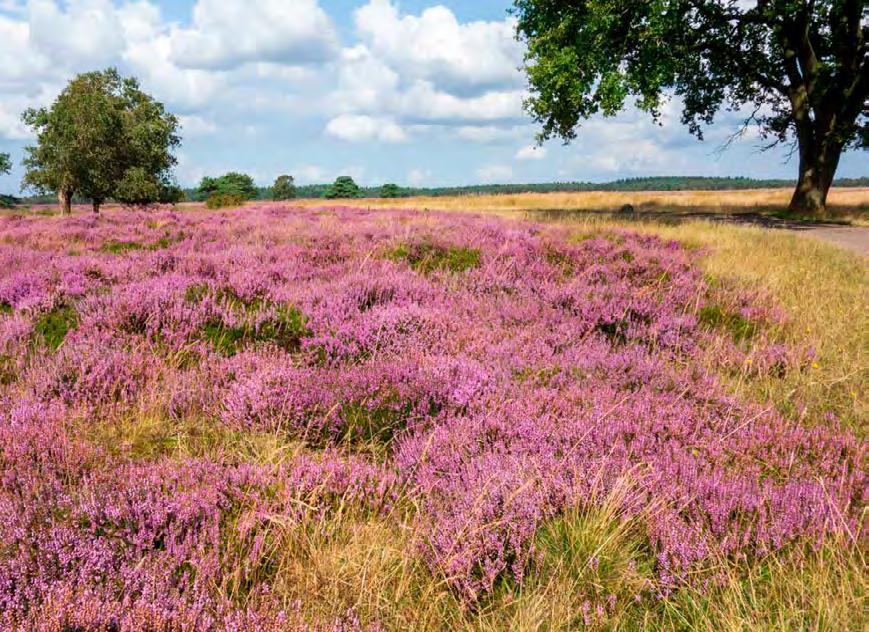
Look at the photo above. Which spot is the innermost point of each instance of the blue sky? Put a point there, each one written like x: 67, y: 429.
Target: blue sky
x: 410, y: 91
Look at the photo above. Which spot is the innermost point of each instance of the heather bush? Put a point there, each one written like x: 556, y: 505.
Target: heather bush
x: 181, y: 422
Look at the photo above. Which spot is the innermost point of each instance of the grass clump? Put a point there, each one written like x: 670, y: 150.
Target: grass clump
x: 118, y: 247
x: 427, y: 257
x: 739, y: 327
x: 285, y: 328
x: 53, y: 326
x: 5, y: 308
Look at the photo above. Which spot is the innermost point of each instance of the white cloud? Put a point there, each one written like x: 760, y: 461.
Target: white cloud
x: 356, y: 128
x: 434, y: 46
x: 228, y: 33
x: 494, y: 174
x: 87, y: 34
x: 531, y: 152
x: 193, y: 125
x: 418, y: 177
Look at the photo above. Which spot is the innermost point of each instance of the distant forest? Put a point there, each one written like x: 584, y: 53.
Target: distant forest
x: 657, y: 183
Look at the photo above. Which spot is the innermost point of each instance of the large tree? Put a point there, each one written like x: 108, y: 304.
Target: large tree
x: 797, y: 67
x: 103, y: 137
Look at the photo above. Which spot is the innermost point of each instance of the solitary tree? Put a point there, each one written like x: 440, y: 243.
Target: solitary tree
x: 799, y: 66
x: 102, y: 137
x: 343, y: 187
x: 390, y: 190
x: 284, y: 188
x: 232, y: 183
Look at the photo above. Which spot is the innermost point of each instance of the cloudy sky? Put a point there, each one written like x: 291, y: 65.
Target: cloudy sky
x: 411, y: 91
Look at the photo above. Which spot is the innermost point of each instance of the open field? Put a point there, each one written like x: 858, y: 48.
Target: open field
x: 280, y: 417
x: 849, y: 204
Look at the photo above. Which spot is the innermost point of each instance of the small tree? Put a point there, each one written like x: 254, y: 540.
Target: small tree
x: 284, y: 188
x: 800, y: 66
x: 390, y: 191
x: 101, y: 133
x: 343, y: 188
x: 232, y: 183
x: 5, y: 163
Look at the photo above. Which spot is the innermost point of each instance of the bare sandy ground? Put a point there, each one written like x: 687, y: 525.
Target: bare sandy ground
x: 855, y: 238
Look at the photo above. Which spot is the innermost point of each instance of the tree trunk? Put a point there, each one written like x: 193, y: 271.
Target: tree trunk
x: 96, y: 204
x: 817, y: 169
x: 64, y: 198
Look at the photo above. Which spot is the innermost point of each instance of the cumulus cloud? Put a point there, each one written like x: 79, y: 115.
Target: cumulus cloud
x: 494, y: 174
x: 360, y: 128
x: 531, y: 152
x: 227, y: 33
x: 436, y: 47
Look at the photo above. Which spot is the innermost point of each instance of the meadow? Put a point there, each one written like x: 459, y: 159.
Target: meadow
x: 846, y: 204
x: 336, y: 418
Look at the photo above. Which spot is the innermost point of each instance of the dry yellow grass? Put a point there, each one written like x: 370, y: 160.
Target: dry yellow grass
x: 846, y: 203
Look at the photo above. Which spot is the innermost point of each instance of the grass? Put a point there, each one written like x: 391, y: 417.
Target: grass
x: 53, y: 326
x: 370, y: 564
x: 849, y: 205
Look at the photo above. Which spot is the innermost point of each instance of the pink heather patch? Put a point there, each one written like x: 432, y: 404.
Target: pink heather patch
x: 509, y: 373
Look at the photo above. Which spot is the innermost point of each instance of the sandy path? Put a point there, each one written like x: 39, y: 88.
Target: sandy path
x: 854, y: 238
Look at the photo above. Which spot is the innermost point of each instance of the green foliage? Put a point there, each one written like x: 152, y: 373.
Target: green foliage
x: 284, y: 188
x: 5, y: 163
x: 798, y: 66
x: 117, y: 247
x: 739, y: 327
x: 285, y: 328
x: 101, y: 138
x: 232, y: 183
x: 390, y: 191
x: 225, y: 200
x: 53, y: 326
x: 343, y: 188
x: 428, y: 258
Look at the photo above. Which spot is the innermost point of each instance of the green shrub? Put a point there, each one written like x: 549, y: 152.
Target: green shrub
x: 224, y: 200
x: 117, y: 247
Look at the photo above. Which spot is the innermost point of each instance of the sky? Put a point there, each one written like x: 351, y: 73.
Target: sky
x: 415, y: 92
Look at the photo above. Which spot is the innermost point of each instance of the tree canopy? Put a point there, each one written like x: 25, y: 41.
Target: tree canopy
x: 232, y: 183
x: 390, y: 190
x: 5, y: 163
x: 343, y: 188
x: 284, y: 188
x: 796, y: 68
x: 103, y: 138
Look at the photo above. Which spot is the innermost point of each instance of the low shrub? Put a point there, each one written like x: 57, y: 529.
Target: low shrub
x: 224, y: 200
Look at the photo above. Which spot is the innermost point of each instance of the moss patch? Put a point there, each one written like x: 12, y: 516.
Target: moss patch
x: 53, y: 326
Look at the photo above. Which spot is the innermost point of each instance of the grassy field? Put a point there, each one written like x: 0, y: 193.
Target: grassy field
x: 367, y: 564
x: 849, y: 204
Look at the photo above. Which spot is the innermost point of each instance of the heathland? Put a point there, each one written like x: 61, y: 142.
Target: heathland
x: 271, y: 417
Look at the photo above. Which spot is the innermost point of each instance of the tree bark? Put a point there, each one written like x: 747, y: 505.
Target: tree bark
x: 96, y: 205
x: 817, y: 170
x: 64, y: 198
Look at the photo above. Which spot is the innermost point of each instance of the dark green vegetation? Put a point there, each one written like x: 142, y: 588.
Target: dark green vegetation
x: 224, y: 200
x: 53, y: 326
x: 232, y: 183
x: 284, y: 188
x: 428, y: 258
x: 390, y: 190
x: 800, y: 67
x: 285, y: 326
x: 5, y: 167
x: 657, y: 183
x: 343, y: 187
x: 103, y: 138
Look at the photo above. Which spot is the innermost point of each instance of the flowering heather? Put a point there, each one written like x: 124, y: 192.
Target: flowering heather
x: 472, y: 377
